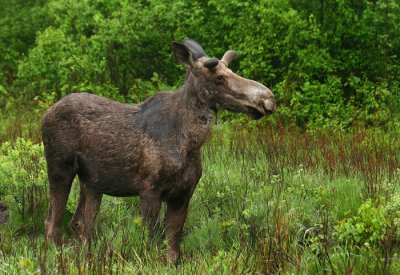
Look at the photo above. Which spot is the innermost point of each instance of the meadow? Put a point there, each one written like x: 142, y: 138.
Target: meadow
x: 272, y: 199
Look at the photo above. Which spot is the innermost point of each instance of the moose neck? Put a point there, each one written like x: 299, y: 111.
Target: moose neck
x: 195, y: 96
x: 180, y: 121
x: 197, y: 114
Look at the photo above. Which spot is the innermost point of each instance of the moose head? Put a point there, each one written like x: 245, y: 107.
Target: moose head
x: 221, y: 88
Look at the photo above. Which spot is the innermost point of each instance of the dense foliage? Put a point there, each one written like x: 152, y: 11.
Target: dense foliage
x: 331, y: 63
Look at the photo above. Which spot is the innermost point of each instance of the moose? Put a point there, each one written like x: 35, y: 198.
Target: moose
x: 150, y: 149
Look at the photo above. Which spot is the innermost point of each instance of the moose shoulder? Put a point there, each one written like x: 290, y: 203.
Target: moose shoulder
x: 151, y: 149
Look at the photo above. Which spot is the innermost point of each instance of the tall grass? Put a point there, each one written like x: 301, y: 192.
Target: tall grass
x: 21, y: 119
x: 271, y: 200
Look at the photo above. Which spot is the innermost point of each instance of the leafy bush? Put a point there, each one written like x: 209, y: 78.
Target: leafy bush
x: 48, y: 67
x: 367, y: 228
x: 393, y: 212
x: 19, y: 22
x: 321, y: 106
x: 330, y: 65
x: 373, y: 103
x: 24, y: 182
x: 373, y: 231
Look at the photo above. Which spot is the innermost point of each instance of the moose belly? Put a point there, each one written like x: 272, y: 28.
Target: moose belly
x: 127, y: 177
x: 111, y: 182
x: 116, y: 176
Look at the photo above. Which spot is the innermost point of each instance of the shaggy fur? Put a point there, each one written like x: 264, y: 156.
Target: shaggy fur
x: 151, y: 150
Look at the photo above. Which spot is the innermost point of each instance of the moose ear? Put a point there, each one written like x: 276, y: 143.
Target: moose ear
x: 182, y: 54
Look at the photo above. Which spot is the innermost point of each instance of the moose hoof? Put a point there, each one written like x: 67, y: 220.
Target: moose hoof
x: 173, y: 257
x: 54, y: 235
x: 82, y: 238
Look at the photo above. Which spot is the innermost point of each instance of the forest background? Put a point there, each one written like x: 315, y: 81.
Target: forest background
x: 330, y: 63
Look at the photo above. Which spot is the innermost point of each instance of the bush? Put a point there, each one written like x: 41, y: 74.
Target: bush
x: 330, y: 64
x: 373, y: 232
x: 367, y: 228
x: 24, y: 182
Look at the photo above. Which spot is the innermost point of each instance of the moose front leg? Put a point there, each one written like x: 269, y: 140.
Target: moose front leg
x: 176, y: 216
x: 150, y: 205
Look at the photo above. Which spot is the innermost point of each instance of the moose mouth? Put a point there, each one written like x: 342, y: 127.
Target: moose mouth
x: 257, y: 114
x: 254, y: 113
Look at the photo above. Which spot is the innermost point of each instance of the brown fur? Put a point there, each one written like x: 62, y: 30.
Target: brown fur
x: 151, y: 150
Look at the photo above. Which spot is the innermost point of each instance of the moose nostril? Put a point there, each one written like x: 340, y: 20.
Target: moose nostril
x: 269, y: 105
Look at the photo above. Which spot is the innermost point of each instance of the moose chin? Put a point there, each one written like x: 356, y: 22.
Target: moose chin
x: 151, y: 149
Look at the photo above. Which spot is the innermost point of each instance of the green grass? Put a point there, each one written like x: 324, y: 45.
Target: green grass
x: 271, y: 200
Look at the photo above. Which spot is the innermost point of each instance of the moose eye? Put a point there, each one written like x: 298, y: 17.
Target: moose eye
x: 220, y: 78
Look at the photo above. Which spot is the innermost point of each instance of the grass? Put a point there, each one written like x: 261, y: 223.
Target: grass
x: 271, y: 200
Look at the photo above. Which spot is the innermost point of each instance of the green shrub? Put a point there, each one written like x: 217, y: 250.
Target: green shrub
x: 24, y: 182
x: 330, y: 64
x: 393, y: 212
x: 367, y: 228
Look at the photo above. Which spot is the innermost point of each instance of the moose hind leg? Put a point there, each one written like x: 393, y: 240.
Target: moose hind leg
x: 88, y: 206
x: 60, y: 180
x: 77, y: 219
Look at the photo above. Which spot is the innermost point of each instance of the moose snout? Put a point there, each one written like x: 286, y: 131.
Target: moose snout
x: 261, y: 100
x: 269, y: 105
x: 264, y: 97
x: 268, y: 100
